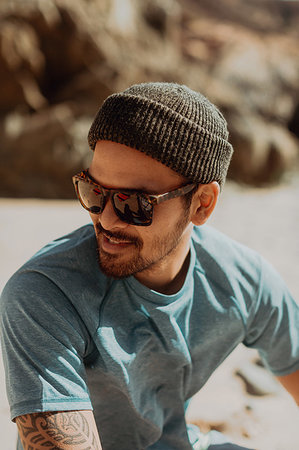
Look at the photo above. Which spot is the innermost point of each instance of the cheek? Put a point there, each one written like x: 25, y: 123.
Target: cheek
x: 167, y: 214
x: 94, y: 218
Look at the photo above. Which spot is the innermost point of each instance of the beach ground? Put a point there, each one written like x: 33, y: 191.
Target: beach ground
x: 264, y: 219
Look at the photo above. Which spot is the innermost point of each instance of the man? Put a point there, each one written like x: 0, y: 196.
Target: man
x: 109, y: 331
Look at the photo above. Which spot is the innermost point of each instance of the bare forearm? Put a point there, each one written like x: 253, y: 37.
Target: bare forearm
x: 62, y: 430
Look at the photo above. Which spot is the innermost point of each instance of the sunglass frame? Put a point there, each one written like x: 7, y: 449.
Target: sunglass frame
x: 153, y: 199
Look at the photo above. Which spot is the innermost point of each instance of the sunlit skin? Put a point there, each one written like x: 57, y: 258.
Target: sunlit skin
x: 160, y: 250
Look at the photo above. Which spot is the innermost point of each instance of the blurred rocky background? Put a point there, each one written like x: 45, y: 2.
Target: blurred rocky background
x: 59, y: 59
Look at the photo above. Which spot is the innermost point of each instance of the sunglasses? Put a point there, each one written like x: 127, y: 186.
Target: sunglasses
x: 132, y: 207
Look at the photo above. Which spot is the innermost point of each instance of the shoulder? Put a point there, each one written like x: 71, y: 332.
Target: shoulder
x: 59, y: 256
x: 80, y: 240
x: 235, y: 270
x: 218, y: 249
x: 68, y: 251
x: 232, y: 269
x: 57, y: 272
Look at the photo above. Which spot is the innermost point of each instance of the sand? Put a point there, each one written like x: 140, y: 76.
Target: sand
x: 264, y: 219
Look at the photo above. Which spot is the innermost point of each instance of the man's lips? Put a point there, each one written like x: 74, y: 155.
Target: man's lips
x: 111, y: 244
x: 116, y: 241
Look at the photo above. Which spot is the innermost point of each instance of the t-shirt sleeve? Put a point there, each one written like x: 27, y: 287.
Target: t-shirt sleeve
x: 44, y: 343
x: 273, y: 323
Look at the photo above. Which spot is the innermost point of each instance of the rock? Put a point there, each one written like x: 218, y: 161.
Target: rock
x: 45, y: 149
x: 20, y: 68
x: 294, y: 121
x: 265, y: 152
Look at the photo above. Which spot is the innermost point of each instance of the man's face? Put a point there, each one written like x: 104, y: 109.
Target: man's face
x: 125, y: 249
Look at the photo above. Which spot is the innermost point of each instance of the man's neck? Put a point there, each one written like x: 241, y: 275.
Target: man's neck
x: 169, y: 274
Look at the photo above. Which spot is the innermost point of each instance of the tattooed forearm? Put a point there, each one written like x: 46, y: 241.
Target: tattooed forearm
x: 63, y: 430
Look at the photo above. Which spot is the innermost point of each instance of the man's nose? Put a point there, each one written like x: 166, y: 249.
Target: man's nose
x: 109, y: 219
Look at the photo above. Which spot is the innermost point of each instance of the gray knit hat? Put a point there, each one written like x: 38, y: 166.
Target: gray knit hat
x: 171, y: 123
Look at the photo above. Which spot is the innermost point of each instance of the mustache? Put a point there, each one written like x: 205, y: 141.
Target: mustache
x: 119, y: 235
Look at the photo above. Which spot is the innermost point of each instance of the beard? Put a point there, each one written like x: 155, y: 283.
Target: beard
x: 132, y: 262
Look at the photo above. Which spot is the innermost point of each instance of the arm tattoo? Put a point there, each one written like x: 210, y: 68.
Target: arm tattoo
x: 57, y: 431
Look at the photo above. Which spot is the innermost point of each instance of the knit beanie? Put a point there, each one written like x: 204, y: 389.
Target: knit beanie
x: 170, y: 123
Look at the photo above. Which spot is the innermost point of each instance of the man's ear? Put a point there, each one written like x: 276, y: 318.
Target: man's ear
x: 204, y: 202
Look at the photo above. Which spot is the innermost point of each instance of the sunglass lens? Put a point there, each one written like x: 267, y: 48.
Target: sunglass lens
x: 134, y: 208
x: 91, y: 197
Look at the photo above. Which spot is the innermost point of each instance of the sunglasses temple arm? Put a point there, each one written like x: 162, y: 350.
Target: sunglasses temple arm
x: 156, y: 199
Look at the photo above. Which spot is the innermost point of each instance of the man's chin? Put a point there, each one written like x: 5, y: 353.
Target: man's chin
x: 114, y: 266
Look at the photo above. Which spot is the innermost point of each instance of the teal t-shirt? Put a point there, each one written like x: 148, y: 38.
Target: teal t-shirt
x: 74, y: 339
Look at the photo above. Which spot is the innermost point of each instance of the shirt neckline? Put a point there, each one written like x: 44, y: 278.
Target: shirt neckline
x: 157, y: 297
